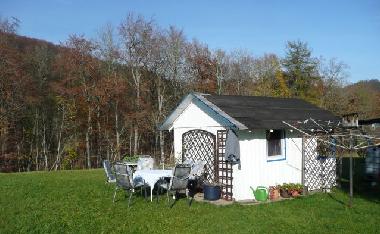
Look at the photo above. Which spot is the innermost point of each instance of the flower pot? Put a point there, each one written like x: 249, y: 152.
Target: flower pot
x: 274, y: 194
x: 295, y: 193
x: 284, y: 193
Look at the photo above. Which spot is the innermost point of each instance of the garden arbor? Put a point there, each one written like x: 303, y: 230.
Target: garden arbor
x: 327, y: 140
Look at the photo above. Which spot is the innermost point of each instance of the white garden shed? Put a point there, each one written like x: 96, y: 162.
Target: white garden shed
x: 270, y: 152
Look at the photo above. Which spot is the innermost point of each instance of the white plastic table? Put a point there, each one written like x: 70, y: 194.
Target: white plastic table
x: 151, y: 177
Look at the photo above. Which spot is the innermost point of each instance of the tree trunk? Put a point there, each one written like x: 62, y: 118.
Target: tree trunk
x: 160, y: 97
x: 137, y: 78
x: 18, y: 157
x: 58, y: 156
x: 109, y: 143
x: 117, y: 131
x: 88, y: 132
x: 219, y: 79
x: 3, y: 136
x: 99, y: 149
x: 155, y: 148
x: 30, y: 161
x: 130, y: 142
x: 162, y: 149
x: 44, y: 146
x: 136, y: 141
x: 36, y: 141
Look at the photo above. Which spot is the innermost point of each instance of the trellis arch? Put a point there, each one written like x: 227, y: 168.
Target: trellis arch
x: 319, y: 166
x: 197, y: 145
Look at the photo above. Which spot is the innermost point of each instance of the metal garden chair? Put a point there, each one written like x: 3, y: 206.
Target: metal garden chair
x: 108, y: 170
x: 124, y: 181
x: 197, y: 177
x: 178, y: 182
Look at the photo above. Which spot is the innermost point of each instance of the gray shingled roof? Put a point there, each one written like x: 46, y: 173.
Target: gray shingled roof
x: 254, y: 112
x: 268, y: 112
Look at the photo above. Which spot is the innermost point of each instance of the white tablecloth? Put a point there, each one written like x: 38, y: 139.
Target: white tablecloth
x: 151, y: 177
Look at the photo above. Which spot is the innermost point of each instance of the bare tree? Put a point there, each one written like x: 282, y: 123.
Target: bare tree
x: 109, y: 53
x: 9, y: 25
x: 222, y: 68
x: 136, y: 34
x: 83, y: 68
x: 242, y: 71
x: 171, y: 71
x: 176, y: 64
x: 334, y: 74
x: 202, y: 67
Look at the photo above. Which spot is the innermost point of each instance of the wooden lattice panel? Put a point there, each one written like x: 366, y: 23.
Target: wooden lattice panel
x: 200, y: 145
x: 328, y: 172
x: 224, y: 168
x: 319, y: 172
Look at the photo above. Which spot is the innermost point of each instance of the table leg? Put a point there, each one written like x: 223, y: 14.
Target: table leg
x: 151, y: 194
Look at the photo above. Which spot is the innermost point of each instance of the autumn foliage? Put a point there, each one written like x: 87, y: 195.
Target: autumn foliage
x: 72, y: 105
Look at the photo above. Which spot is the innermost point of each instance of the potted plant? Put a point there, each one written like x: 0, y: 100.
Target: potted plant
x: 131, y: 158
x: 284, y: 190
x: 295, y: 190
x: 274, y: 192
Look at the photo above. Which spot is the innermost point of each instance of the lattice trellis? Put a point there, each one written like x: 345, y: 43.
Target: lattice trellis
x: 224, y: 168
x: 200, y: 145
x: 319, y: 171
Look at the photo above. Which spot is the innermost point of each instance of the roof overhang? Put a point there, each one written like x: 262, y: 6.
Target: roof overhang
x: 223, y: 114
x: 168, y: 123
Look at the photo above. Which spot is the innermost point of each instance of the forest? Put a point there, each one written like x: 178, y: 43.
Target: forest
x: 69, y: 106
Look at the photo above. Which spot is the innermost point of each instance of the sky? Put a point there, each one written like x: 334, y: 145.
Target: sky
x: 348, y: 30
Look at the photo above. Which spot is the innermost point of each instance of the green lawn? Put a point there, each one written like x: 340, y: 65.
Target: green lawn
x: 80, y: 201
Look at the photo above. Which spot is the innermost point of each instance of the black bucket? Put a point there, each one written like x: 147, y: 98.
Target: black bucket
x: 211, y: 192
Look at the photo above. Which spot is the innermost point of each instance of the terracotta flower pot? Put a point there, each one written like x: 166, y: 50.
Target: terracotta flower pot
x: 295, y: 193
x: 274, y: 194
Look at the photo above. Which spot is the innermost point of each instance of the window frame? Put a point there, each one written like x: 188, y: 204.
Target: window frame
x: 281, y: 156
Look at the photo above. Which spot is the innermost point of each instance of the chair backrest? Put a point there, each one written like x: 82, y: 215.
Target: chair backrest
x: 124, y: 181
x: 121, y: 168
x: 145, y: 163
x: 108, y: 170
x: 198, y: 168
x: 189, y: 161
x: 180, y: 177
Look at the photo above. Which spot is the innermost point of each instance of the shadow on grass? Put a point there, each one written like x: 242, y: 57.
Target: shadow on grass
x: 365, y: 186
x: 337, y: 200
x: 362, y: 189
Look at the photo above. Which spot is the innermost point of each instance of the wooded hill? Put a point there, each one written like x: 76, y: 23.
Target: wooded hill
x: 71, y: 105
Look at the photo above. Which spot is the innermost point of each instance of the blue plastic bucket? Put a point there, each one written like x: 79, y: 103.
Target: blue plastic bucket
x: 211, y: 192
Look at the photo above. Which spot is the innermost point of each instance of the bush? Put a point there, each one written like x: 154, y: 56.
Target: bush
x: 131, y: 158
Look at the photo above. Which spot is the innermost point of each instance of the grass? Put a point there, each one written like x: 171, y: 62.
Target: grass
x: 80, y: 202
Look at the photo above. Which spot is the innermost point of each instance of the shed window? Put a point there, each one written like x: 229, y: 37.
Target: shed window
x: 274, y: 142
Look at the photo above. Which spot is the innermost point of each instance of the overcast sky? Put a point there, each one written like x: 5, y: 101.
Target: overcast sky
x: 347, y: 30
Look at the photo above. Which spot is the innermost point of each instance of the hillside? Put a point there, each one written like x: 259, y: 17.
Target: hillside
x: 371, y: 85
x: 70, y: 106
x: 26, y: 44
x: 364, y: 98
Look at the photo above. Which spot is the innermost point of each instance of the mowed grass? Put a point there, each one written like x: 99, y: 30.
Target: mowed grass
x: 81, y: 202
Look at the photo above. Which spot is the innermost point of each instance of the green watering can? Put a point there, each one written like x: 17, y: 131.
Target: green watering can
x: 261, y: 193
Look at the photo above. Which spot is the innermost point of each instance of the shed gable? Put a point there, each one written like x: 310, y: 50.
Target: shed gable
x: 197, y: 114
